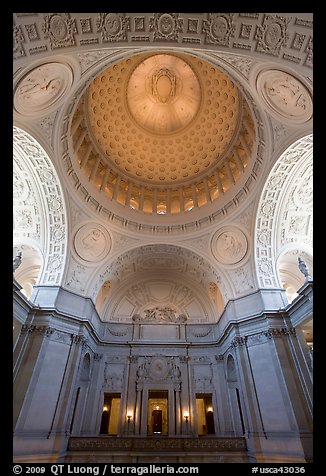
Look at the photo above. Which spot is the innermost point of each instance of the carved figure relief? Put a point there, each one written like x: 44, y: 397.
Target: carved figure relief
x: 229, y: 245
x: 156, y: 314
x: 42, y: 88
x: 92, y: 243
x: 158, y: 368
x: 285, y: 96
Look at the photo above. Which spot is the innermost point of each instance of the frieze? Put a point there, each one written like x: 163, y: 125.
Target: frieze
x: 160, y: 315
x: 256, y: 339
x: 163, y: 444
x: 273, y: 333
x: 88, y: 59
x: 266, y: 34
x: 44, y: 330
x: 201, y: 359
x: 113, y: 359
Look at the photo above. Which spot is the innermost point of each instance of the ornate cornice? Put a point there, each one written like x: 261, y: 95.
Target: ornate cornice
x: 287, y: 37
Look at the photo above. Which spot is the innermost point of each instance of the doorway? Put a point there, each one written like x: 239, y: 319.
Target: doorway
x: 110, y: 414
x: 157, y: 421
x: 205, y: 415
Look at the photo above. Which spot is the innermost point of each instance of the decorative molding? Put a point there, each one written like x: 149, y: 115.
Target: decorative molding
x: 60, y: 29
x: 78, y: 339
x: 238, y: 341
x: 117, y: 330
x: 242, y: 279
x: 27, y: 328
x: 199, y: 331
x: 290, y: 168
x: 166, y: 26
x: 88, y: 59
x: 37, y: 167
x: 160, y: 315
x: 211, y: 444
x: 272, y: 35
x: 257, y: 339
x: 286, y: 37
x: 219, y: 28
x: 113, y: 26
x: 158, y: 368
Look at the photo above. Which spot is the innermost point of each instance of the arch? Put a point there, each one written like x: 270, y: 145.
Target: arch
x: 39, y: 206
x: 187, y: 268
x: 285, y: 211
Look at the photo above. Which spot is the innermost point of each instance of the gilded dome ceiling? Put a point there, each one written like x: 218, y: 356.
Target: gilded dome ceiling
x: 163, y: 133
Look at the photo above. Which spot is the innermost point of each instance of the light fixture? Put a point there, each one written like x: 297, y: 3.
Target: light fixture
x: 157, y: 407
x: 186, y: 415
x: 129, y: 415
x: 105, y: 408
x: 209, y: 409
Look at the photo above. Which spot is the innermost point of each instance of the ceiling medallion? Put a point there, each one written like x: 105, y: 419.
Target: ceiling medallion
x: 42, y: 88
x: 163, y: 94
x: 229, y: 245
x: 285, y: 96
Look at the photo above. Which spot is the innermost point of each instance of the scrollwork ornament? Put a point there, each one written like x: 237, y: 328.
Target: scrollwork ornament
x: 219, y: 28
x: 238, y: 341
x: 60, y: 29
x: 19, y: 39
x: 26, y: 328
x: 78, y: 339
x: 166, y: 26
x: 272, y: 35
x: 44, y: 330
x: 113, y: 26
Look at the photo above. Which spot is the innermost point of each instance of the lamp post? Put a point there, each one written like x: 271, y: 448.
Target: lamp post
x: 129, y: 417
x: 186, y: 417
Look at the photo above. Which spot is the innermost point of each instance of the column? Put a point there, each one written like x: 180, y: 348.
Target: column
x: 93, y: 401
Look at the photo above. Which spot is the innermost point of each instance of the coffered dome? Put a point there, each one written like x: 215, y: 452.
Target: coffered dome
x: 162, y: 133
